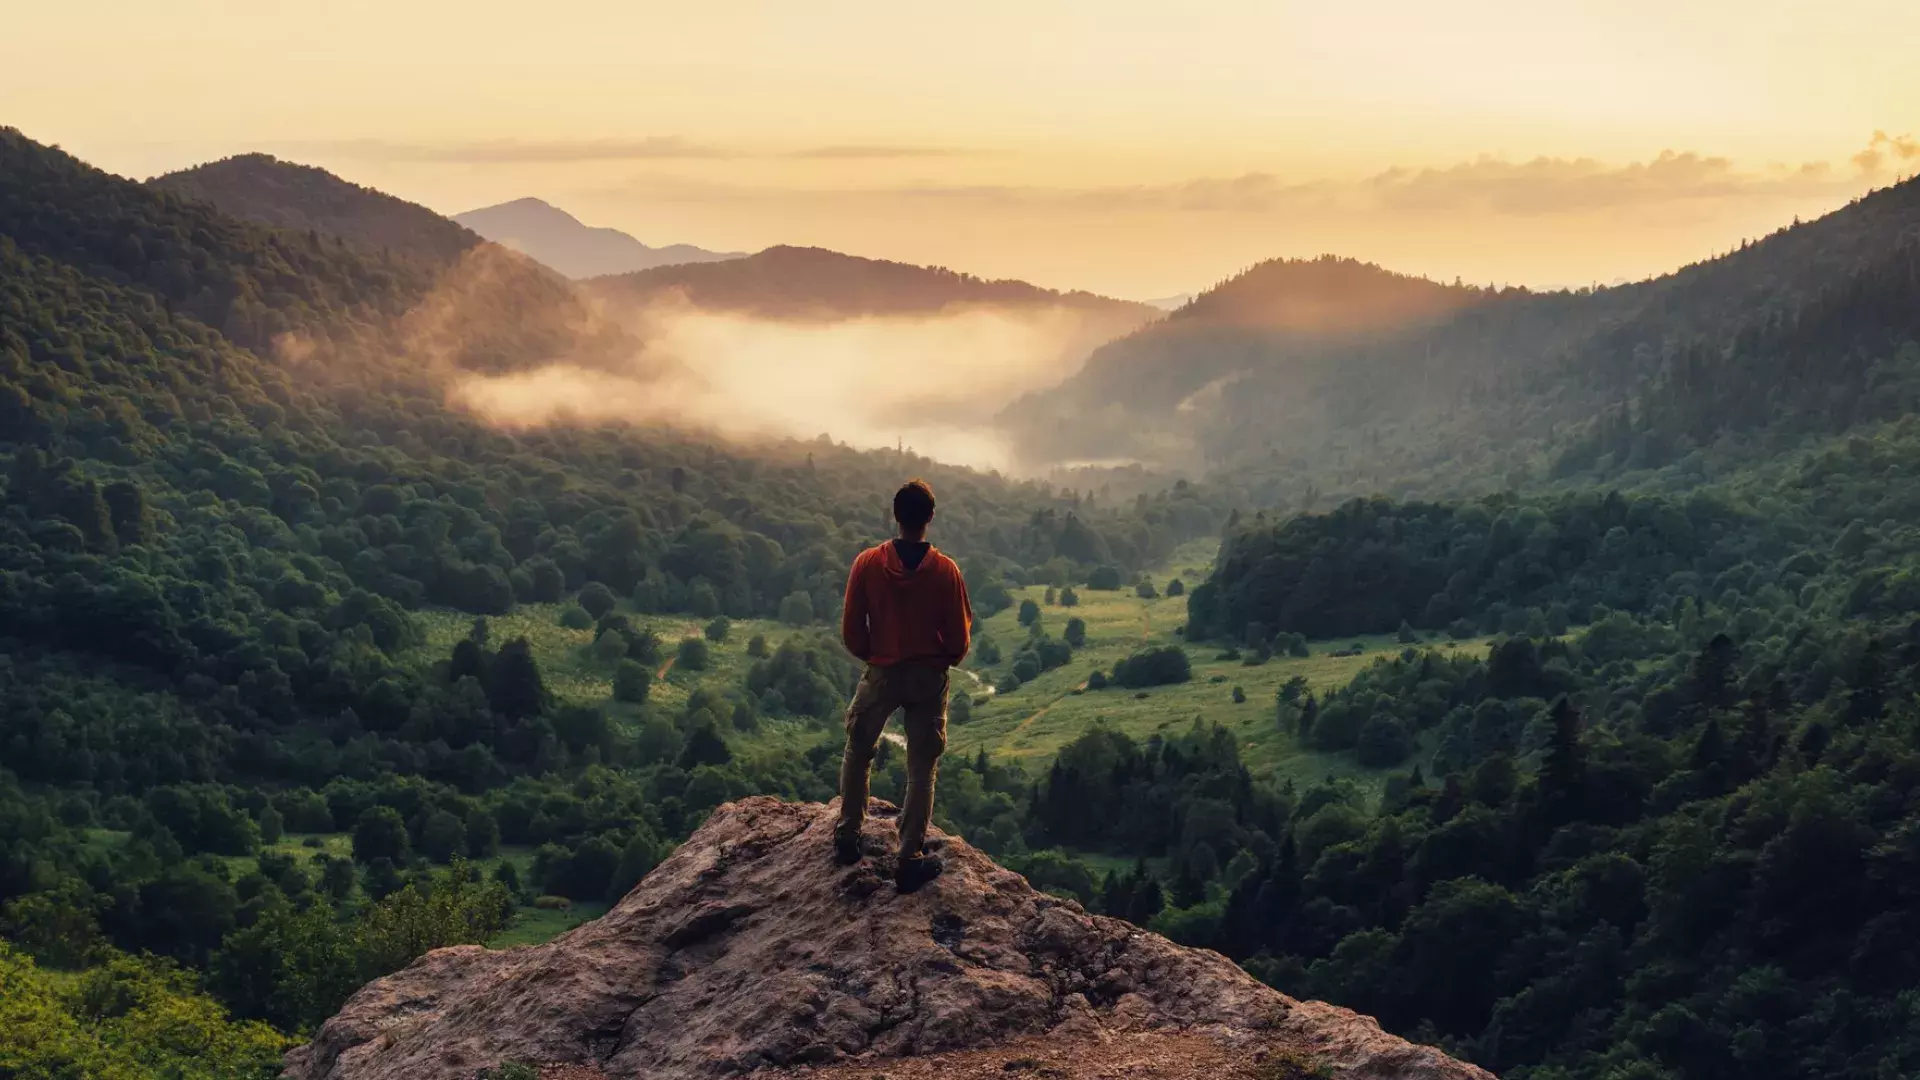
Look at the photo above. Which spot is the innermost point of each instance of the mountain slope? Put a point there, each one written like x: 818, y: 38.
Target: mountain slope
x: 749, y: 948
x: 560, y: 240
x: 805, y: 283
x: 286, y: 195
x: 1802, y: 329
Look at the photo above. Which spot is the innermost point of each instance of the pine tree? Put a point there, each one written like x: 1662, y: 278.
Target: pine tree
x: 1563, y: 775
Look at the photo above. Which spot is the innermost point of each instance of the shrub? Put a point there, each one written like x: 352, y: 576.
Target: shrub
x: 1076, y: 632
x: 1175, y: 587
x: 632, y: 682
x: 1154, y: 667
x: 796, y: 609
x: 757, y: 646
x: 575, y: 617
x: 694, y: 654
x: 719, y: 628
x: 1145, y: 590
x: 1106, y: 578
x: 1029, y: 613
x: 597, y: 599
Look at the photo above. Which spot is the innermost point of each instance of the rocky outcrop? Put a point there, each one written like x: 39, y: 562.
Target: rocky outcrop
x: 750, y: 950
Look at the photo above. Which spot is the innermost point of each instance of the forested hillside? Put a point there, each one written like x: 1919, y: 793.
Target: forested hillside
x: 817, y: 284
x: 299, y: 198
x: 215, y: 554
x: 1806, y: 331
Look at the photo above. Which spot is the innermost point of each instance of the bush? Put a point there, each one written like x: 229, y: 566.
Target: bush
x: 1145, y: 590
x: 757, y: 646
x: 1076, y: 632
x: 1239, y: 696
x: 1175, y: 587
x: 1106, y: 579
x: 1097, y: 680
x: 694, y: 654
x: 796, y: 609
x: 1069, y: 598
x: 1406, y: 634
x: 597, y: 599
x: 1029, y: 613
x: 575, y: 617
x: 632, y: 682
x: 1154, y: 667
x: 719, y: 628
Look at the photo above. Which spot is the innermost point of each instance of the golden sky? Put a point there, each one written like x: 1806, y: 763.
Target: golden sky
x: 1136, y: 149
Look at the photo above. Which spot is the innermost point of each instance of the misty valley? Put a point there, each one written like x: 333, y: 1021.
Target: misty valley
x: 1535, y: 671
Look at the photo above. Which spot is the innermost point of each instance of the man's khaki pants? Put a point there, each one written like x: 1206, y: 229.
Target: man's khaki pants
x: 922, y: 693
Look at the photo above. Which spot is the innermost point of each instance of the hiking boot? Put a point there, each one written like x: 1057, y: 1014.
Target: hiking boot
x: 846, y: 844
x: 913, y: 873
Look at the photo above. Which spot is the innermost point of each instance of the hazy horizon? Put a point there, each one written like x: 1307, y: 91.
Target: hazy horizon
x: 1113, y: 149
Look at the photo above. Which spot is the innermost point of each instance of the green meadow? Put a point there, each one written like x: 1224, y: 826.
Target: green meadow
x: 1031, y: 723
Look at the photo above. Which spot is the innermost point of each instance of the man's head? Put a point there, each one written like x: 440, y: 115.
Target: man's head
x: 913, y: 507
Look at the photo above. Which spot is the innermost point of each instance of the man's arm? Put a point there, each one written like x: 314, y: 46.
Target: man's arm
x: 854, y: 632
x: 956, y: 631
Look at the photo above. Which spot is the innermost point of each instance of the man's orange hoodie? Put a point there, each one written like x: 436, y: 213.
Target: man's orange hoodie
x: 894, y: 615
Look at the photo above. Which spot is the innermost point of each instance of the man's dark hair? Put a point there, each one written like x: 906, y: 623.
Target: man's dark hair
x: 913, y: 504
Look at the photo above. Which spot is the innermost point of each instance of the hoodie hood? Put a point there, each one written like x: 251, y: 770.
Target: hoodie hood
x: 896, y: 568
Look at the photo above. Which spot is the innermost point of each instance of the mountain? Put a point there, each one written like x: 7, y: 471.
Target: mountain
x: 750, y: 949
x: 1794, y: 332
x: 559, y: 240
x: 1136, y: 396
x: 815, y: 284
x: 285, y: 195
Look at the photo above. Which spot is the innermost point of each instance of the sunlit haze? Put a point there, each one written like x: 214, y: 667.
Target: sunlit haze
x: 1137, y: 150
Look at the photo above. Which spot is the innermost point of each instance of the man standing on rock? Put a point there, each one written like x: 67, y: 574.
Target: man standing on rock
x: 907, y: 617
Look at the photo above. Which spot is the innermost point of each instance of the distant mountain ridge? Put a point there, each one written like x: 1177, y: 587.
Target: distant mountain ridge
x: 1381, y: 382
x: 286, y: 195
x: 547, y: 233
x: 786, y: 282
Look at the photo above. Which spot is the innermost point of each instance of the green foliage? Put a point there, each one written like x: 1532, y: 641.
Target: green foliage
x: 717, y: 630
x: 1029, y: 613
x: 693, y: 654
x: 632, y: 682
x: 1153, y: 667
x: 125, y: 1019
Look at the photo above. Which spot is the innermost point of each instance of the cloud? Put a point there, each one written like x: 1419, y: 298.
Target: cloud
x: 510, y: 151
x: 649, y: 148
x: 1882, y: 147
x: 865, y: 152
x: 1487, y: 185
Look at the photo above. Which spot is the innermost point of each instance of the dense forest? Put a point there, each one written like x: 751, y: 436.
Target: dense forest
x: 1660, y: 828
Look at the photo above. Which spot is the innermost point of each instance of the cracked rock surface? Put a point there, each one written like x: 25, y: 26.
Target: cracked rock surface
x: 750, y: 949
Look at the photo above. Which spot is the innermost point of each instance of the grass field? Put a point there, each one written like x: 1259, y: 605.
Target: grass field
x: 1032, y: 722
x: 576, y: 677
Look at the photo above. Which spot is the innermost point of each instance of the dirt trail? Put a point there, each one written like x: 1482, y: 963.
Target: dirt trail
x: 686, y: 631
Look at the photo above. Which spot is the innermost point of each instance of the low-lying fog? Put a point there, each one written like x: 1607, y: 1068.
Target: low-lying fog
x: 932, y: 383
